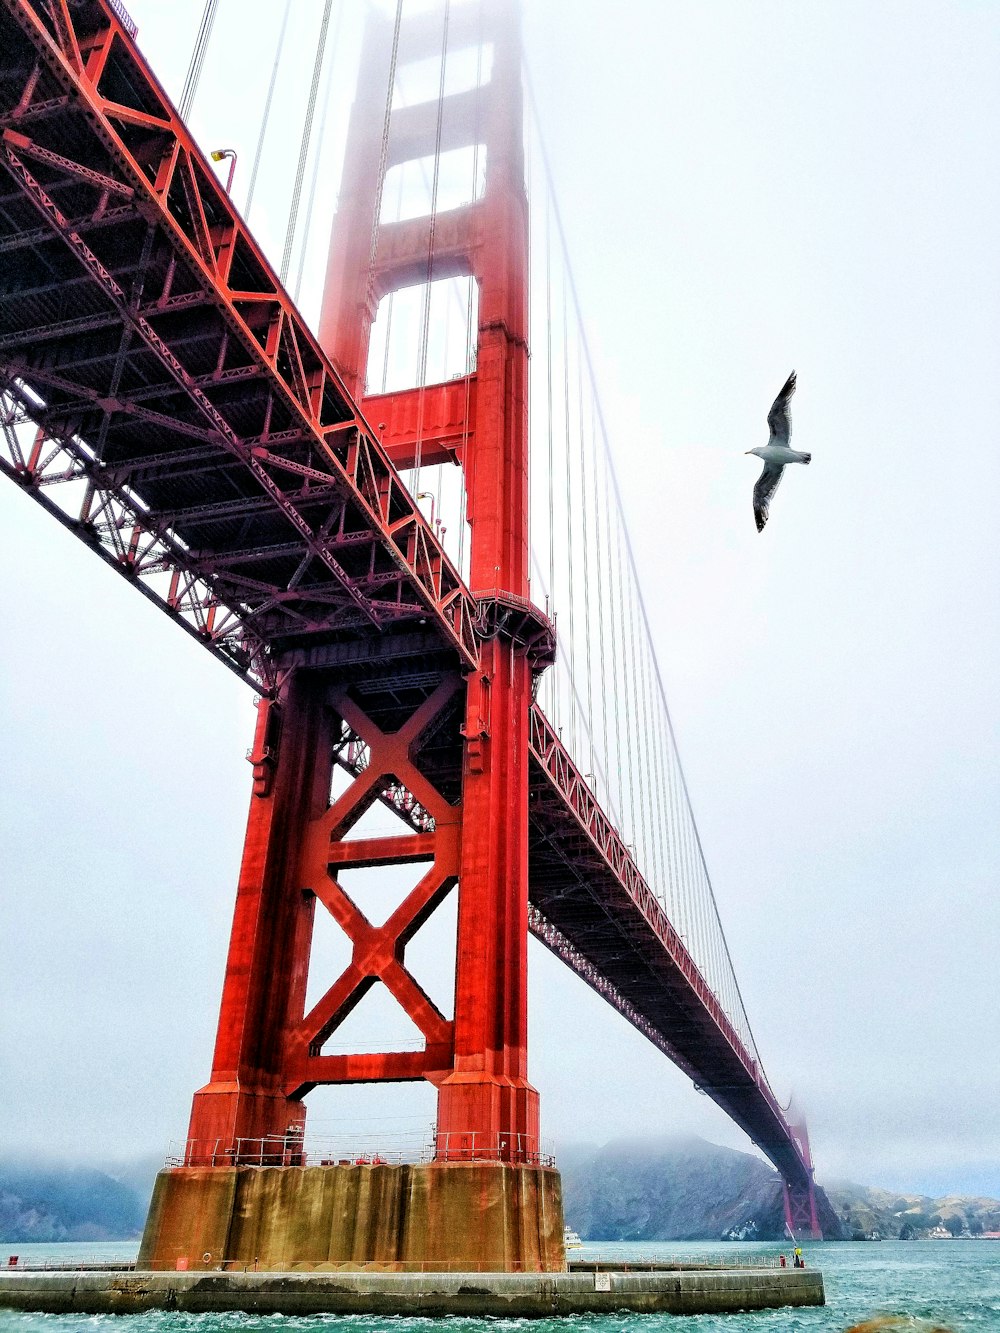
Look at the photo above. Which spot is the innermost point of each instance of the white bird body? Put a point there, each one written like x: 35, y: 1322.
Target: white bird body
x: 776, y: 453
x: 780, y: 454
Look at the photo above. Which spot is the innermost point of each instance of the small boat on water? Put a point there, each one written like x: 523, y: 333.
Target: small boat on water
x: 571, y: 1240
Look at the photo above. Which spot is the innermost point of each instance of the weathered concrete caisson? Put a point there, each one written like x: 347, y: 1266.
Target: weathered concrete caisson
x: 476, y: 1216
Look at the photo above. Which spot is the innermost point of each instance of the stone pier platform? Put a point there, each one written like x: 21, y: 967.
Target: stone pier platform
x: 580, y: 1291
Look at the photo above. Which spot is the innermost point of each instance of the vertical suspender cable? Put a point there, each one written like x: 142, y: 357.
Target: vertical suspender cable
x: 550, y: 445
x: 585, y: 543
x: 265, y: 118
x: 649, y: 784
x: 300, y: 170
x: 318, y: 158
x: 193, y: 76
x: 390, y: 302
x: 613, y: 603
x: 657, y: 795
x: 599, y: 561
x: 426, y: 330
x: 657, y: 798
x: 686, y: 797
x: 383, y: 153
x: 621, y: 660
x: 706, y: 937
x: 642, y: 756
x: 388, y: 340
x: 569, y: 524
x: 635, y: 749
x: 670, y: 835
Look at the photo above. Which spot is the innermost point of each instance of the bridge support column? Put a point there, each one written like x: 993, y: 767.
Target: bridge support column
x: 269, y: 945
x: 801, y: 1216
x: 487, y: 1098
x: 449, y: 755
x: 244, y: 1193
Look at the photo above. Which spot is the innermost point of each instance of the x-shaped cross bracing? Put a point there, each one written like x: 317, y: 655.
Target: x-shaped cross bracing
x: 378, y: 951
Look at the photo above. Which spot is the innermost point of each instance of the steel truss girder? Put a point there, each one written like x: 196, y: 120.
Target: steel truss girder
x: 571, y: 955
x: 122, y: 535
x: 743, y: 1092
x: 170, y: 187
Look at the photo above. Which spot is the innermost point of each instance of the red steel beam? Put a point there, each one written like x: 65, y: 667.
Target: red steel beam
x: 139, y: 163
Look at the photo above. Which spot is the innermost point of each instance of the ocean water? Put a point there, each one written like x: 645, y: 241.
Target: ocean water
x: 952, y: 1284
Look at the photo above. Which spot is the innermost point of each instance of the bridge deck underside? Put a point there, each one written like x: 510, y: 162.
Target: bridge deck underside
x: 591, y: 906
x: 203, y: 440
x: 594, y: 909
x: 142, y: 328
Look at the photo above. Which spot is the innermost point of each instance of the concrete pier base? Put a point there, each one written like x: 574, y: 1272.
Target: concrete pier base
x: 472, y: 1216
x: 525, y: 1295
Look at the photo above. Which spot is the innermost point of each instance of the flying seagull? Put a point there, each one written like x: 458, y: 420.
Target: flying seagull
x: 775, y: 453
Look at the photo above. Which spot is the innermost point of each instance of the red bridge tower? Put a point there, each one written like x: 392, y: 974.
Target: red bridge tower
x: 444, y: 747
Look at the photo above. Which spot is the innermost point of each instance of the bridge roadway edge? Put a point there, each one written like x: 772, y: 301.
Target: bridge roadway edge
x: 522, y: 1295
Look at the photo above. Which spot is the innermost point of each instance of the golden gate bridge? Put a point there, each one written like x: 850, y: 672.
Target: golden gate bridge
x: 440, y: 622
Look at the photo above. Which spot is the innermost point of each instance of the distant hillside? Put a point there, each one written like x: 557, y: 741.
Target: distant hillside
x: 675, y: 1189
x: 866, y: 1212
x: 630, y: 1189
x: 56, y: 1203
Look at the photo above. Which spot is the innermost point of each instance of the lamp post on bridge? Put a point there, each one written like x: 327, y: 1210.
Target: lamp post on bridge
x: 220, y: 155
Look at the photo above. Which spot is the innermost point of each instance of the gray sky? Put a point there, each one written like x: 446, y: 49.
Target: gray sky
x: 745, y: 189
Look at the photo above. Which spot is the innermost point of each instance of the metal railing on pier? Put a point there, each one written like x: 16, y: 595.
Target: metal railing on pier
x: 293, y: 1150
x: 84, y: 1264
x: 634, y: 1264
x: 652, y: 1263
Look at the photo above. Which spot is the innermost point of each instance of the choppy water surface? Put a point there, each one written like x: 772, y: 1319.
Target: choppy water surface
x: 951, y: 1283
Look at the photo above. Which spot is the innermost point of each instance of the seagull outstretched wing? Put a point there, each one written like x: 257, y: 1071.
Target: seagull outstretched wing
x: 778, y: 419
x: 767, y: 484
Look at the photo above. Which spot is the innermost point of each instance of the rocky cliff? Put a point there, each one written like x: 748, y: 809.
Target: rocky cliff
x: 675, y: 1189
x: 53, y: 1203
x: 873, y: 1214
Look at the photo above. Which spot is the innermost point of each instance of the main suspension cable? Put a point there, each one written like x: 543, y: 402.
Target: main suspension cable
x: 318, y: 156
x: 431, y: 230
x: 706, y: 915
x: 300, y: 170
x: 266, y: 114
x: 193, y: 76
x: 383, y: 153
